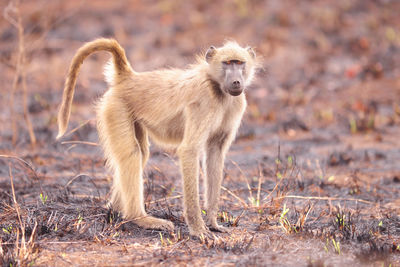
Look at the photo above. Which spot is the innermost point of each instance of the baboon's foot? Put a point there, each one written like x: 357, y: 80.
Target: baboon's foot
x: 115, y: 201
x: 206, y: 237
x: 215, y: 227
x: 114, y: 206
x: 219, y: 228
x: 200, y: 232
x: 149, y: 222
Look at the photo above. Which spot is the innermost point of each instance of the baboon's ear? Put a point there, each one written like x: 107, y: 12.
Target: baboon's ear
x: 210, y: 53
x: 251, y: 52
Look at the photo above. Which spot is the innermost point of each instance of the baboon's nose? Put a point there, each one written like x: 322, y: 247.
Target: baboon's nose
x: 236, y: 84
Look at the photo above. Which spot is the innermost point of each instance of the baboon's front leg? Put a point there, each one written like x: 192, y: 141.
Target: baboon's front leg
x: 189, y: 163
x: 214, y: 165
x: 195, y: 136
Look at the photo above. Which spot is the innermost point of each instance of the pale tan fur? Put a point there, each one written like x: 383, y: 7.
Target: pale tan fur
x: 185, y: 109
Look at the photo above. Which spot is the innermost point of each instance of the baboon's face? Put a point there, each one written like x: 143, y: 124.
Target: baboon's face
x: 231, y: 66
x: 233, y: 76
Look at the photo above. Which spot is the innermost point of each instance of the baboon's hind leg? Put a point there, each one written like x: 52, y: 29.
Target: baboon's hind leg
x: 124, y: 153
x: 143, y: 140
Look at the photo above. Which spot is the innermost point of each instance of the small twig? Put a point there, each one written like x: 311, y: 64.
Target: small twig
x: 87, y: 196
x: 260, y: 178
x: 53, y: 242
x: 235, y: 196
x: 20, y: 251
x: 303, y: 217
x: 235, y: 222
x: 273, y: 190
x: 80, y: 143
x: 245, y: 178
x: 77, y: 128
x: 279, y: 159
x: 326, y: 198
x: 250, y: 242
x: 30, y: 242
x: 171, y: 158
x: 30, y: 167
x: 73, y: 179
x: 85, y: 175
x: 164, y: 199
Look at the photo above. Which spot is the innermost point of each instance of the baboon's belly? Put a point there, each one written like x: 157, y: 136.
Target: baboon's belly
x: 168, y: 132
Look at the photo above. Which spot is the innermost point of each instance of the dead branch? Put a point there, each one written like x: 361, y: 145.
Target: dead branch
x: 20, y: 72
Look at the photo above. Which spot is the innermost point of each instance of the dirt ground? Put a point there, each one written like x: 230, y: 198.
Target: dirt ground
x: 313, y: 178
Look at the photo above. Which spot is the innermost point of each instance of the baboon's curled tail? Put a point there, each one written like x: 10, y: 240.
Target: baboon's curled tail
x: 121, y: 65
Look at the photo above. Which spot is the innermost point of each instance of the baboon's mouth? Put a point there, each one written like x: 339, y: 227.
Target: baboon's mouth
x: 235, y: 92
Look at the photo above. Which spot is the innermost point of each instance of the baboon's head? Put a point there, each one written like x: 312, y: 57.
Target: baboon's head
x: 232, y: 66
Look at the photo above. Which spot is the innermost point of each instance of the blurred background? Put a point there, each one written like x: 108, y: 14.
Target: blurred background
x: 324, y: 63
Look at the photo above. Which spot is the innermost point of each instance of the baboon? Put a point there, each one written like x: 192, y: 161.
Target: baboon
x: 196, y: 110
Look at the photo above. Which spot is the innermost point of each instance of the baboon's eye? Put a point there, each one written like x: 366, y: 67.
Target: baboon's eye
x: 229, y: 62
